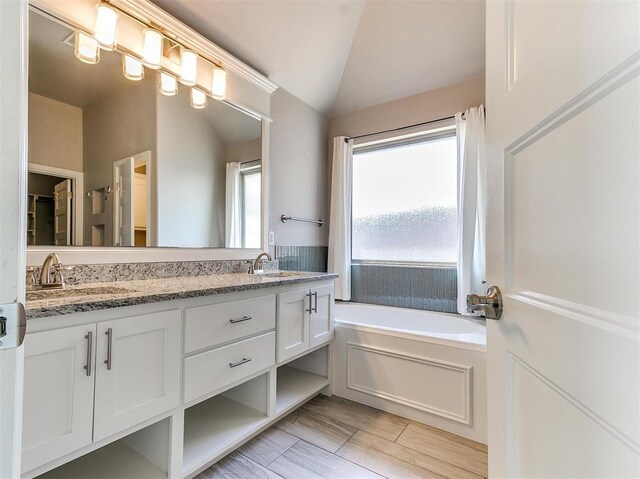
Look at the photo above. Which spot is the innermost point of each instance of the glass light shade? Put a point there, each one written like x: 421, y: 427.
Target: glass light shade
x: 152, y: 48
x: 86, y: 48
x: 132, y: 68
x: 188, y: 67
x: 198, y: 98
x: 168, y: 84
x: 105, y: 27
x: 219, y: 84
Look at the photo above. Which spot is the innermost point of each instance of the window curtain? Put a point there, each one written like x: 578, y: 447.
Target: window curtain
x: 471, y: 205
x: 233, y: 216
x: 340, y: 216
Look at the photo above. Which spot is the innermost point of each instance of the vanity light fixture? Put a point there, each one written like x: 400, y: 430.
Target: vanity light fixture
x: 168, y: 84
x: 132, y: 67
x: 86, y: 48
x: 198, y: 99
x: 106, y: 26
x: 152, y: 48
x: 219, y: 84
x: 188, y: 67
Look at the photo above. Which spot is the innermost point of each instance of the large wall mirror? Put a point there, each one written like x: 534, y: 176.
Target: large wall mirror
x: 115, y: 162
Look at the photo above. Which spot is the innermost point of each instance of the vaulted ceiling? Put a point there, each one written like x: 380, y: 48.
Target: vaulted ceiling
x: 343, y: 55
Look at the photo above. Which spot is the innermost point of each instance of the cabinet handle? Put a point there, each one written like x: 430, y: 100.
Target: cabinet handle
x: 310, y: 310
x: 239, y: 320
x: 242, y: 361
x: 89, y: 338
x: 315, y: 308
x: 109, y: 333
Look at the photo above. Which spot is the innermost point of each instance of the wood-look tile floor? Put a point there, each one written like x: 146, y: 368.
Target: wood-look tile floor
x: 340, y: 439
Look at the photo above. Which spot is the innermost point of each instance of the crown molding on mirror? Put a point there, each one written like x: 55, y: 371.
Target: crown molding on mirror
x: 247, y: 89
x: 70, y: 255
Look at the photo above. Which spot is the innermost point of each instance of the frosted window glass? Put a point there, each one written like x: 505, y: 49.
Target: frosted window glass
x: 404, y: 203
x: 251, y: 210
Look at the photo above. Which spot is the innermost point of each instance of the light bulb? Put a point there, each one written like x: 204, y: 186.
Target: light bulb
x: 152, y: 48
x: 188, y: 67
x: 198, y: 98
x: 86, y: 48
x: 132, y: 68
x: 219, y: 84
x: 105, y: 27
x: 168, y: 84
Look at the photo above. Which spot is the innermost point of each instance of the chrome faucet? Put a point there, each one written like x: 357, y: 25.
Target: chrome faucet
x: 45, y: 272
x: 257, y: 264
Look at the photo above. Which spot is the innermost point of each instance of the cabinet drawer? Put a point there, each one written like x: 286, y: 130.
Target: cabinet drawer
x: 207, y: 326
x: 206, y: 372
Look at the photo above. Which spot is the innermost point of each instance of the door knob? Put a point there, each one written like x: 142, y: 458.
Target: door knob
x: 490, y: 304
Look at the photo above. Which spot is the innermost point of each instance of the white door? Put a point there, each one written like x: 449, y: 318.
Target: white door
x: 293, y: 323
x: 62, y: 213
x: 321, y: 319
x: 137, y: 370
x: 563, y: 129
x: 59, y: 378
x: 124, y: 203
x: 13, y: 213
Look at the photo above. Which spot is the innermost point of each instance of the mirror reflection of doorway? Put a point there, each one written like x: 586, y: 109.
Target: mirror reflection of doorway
x: 52, y: 219
x: 132, y: 203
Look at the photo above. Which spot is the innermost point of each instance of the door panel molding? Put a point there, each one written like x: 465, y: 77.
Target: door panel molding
x: 613, y: 80
x: 514, y: 362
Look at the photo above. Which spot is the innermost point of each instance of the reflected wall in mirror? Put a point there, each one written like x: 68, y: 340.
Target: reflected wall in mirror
x: 113, y: 162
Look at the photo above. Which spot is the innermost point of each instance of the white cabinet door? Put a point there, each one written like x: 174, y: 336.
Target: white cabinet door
x: 137, y: 370
x: 321, y: 319
x: 293, y: 323
x: 58, y: 393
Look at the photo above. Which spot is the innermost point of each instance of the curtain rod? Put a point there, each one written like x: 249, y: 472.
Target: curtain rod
x: 402, y: 127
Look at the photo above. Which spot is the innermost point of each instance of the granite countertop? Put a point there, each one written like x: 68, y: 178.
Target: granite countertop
x: 115, y: 294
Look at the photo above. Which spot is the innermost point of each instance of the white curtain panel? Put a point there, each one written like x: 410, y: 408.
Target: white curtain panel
x: 472, y: 187
x: 233, y: 237
x: 340, y: 216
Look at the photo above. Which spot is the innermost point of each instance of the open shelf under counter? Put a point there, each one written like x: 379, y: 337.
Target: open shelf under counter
x: 294, y: 385
x: 113, y: 460
x: 217, y: 424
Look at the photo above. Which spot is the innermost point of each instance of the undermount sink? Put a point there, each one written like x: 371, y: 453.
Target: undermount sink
x: 73, y: 292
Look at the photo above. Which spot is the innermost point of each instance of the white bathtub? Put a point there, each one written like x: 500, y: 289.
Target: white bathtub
x: 426, y: 366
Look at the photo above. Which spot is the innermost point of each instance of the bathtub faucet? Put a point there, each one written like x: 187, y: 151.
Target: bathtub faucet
x: 490, y: 305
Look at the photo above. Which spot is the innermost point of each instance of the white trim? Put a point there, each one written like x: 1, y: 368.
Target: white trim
x: 265, y: 187
x: 78, y: 193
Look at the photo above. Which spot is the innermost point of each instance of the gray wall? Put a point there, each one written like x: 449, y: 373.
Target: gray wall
x: 115, y: 128
x: 191, y: 173
x: 298, y: 174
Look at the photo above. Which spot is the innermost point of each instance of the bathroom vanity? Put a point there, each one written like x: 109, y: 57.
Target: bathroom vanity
x: 162, y: 377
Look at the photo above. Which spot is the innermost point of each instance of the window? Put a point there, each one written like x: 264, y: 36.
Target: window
x: 250, y: 194
x: 404, y: 206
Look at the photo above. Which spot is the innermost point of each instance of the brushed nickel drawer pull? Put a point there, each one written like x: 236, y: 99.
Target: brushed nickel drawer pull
x: 315, y: 308
x: 89, y: 338
x: 310, y: 310
x: 239, y: 320
x: 242, y: 361
x: 109, y: 333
